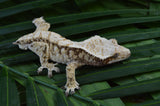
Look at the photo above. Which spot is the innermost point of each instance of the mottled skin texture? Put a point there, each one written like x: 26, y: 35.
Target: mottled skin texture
x: 52, y: 46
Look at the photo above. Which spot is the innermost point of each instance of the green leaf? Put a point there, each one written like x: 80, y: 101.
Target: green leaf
x: 124, y: 80
x: 64, y: 18
x: 139, y: 2
x: 24, y: 75
x: 149, y: 103
x: 128, y: 89
x: 90, y: 88
x: 3, y: 1
x: 76, y: 102
x: 147, y: 76
x: 135, y: 35
x: 86, y: 15
x: 26, y: 6
x: 94, y: 5
x: 128, y: 21
x: 49, y: 94
x: 16, y: 59
x: 61, y: 99
x: 145, y: 51
x: 154, y: 6
x: 97, y: 25
x: 8, y: 91
x: 15, y: 27
x: 34, y: 94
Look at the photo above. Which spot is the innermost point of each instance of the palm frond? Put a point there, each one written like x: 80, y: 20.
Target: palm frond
x: 128, y: 89
x: 134, y: 23
x: 8, y: 90
x: 26, y: 6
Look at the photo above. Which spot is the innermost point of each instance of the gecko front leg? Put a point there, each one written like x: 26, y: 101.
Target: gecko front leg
x: 71, y: 83
x: 50, y: 66
x: 42, y: 50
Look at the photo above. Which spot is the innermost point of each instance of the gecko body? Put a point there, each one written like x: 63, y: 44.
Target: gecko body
x: 49, y: 45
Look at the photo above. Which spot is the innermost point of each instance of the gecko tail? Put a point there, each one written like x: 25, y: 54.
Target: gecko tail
x: 41, y: 24
x: 38, y: 20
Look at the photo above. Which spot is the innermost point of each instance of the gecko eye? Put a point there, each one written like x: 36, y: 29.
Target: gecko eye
x: 115, y: 55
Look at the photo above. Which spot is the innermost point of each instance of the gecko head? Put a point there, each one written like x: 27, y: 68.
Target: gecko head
x: 23, y: 42
x: 21, y: 45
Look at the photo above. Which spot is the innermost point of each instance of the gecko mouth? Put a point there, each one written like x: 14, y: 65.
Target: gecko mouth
x: 15, y: 43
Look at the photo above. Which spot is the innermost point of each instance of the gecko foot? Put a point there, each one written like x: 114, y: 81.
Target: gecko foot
x: 50, y: 67
x: 53, y: 68
x: 40, y: 69
x: 49, y: 73
x: 70, y: 88
x: 56, y: 69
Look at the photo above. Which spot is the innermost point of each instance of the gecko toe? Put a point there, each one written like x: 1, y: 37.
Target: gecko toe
x: 56, y: 69
x: 67, y: 92
x: 72, y: 92
x: 78, y: 88
x: 49, y: 74
x: 70, y: 89
x: 39, y: 70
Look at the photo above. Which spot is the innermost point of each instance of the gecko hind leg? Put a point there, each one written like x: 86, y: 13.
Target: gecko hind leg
x: 71, y: 83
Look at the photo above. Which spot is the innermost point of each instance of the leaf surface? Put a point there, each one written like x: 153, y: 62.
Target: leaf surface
x: 26, y: 6
x: 34, y: 94
x: 8, y: 90
x: 128, y: 89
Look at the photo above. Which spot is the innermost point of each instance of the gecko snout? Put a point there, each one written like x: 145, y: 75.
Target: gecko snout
x: 16, y: 43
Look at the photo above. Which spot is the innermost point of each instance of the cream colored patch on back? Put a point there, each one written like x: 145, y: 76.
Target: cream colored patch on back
x: 71, y: 53
x: 63, y: 51
x: 98, y: 46
x: 56, y: 49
